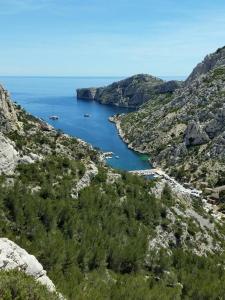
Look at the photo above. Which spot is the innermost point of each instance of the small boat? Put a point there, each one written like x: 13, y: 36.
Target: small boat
x: 117, y: 157
x: 87, y: 115
x: 108, y: 157
x: 54, y: 118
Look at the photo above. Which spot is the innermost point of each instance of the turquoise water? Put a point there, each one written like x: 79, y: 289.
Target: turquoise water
x: 46, y: 96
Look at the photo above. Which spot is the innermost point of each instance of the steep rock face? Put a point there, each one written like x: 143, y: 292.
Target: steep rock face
x: 8, y: 117
x: 210, y: 62
x: 217, y: 124
x: 87, y: 94
x: 186, y: 128
x: 14, y: 257
x: 130, y: 92
x: 194, y: 135
x: 8, y: 155
x: 168, y: 86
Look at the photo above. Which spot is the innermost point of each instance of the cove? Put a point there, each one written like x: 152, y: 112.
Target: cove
x: 46, y: 96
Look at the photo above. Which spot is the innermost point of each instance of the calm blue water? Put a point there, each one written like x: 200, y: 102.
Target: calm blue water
x: 45, y: 96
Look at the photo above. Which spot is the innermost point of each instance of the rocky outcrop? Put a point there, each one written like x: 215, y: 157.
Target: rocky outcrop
x: 86, y: 94
x: 194, y: 135
x: 8, y: 155
x: 217, y: 124
x: 8, y: 116
x: 210, y: 62
x: 30, y: 159
x: 130, y: 92
x: 14, y: 257
x: 168, y: 87
x: 90, y: 172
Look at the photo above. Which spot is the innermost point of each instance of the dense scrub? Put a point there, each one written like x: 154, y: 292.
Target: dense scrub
x: 96, y: 246
x: 17, y: 285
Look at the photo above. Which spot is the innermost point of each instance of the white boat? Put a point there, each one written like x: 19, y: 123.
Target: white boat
x: 54, y: 118
x: 117, y: 157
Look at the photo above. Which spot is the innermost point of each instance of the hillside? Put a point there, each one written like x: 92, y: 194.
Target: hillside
x: 130, y: 92
x: 98, y: 232
x: 184, y: 132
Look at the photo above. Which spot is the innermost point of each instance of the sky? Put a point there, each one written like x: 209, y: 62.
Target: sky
x: 108, y: 37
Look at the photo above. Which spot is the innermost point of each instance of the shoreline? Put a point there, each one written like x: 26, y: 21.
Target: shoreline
x: 114, y: 119
x: 174, y: 184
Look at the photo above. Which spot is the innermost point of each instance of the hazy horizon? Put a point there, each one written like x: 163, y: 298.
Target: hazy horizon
x: 94, y: 76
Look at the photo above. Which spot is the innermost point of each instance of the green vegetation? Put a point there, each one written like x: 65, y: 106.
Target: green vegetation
x: 96, y: 247
x: 218, y: 73
x: 100, y: 244
x: 17, y: 285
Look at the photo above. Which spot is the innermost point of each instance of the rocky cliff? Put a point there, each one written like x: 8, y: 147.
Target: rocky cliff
x: 8, y: 117
x: 14, y: 257
x: 130, y: 92
x: 186, y: 130
x: 210, y: 62
x: 8, y: 155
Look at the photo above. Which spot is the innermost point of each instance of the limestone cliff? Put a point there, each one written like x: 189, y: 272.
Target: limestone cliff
x: 185, y: 130
x: 13, y: 257
x: 8, y: 155
x: 8, y: 117
x: 210, y: 62
x: 130, y: 92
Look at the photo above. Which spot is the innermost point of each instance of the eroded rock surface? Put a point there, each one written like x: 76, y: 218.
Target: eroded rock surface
x: 8, y: 155
x: 8, y: 117
x: 210, y: 62
x: 194, y: 135
x: 14, y: 257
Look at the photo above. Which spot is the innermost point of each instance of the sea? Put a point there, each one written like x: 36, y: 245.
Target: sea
x: 47, y: 96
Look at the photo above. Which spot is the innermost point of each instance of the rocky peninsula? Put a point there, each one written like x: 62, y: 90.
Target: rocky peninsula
x: 130, y: 92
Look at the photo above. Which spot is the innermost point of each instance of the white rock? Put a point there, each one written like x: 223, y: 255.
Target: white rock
x: 85, y: 181
x: 14, y: 257
x: 8, y: 155
x: 30, y: 159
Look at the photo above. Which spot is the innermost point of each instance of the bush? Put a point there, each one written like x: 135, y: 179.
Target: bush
x: 17, y: 285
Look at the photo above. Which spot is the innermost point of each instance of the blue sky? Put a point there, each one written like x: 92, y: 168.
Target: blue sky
x: 108, y: 37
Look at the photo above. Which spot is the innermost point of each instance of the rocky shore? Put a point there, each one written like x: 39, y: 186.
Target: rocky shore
x: 116, y: 119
